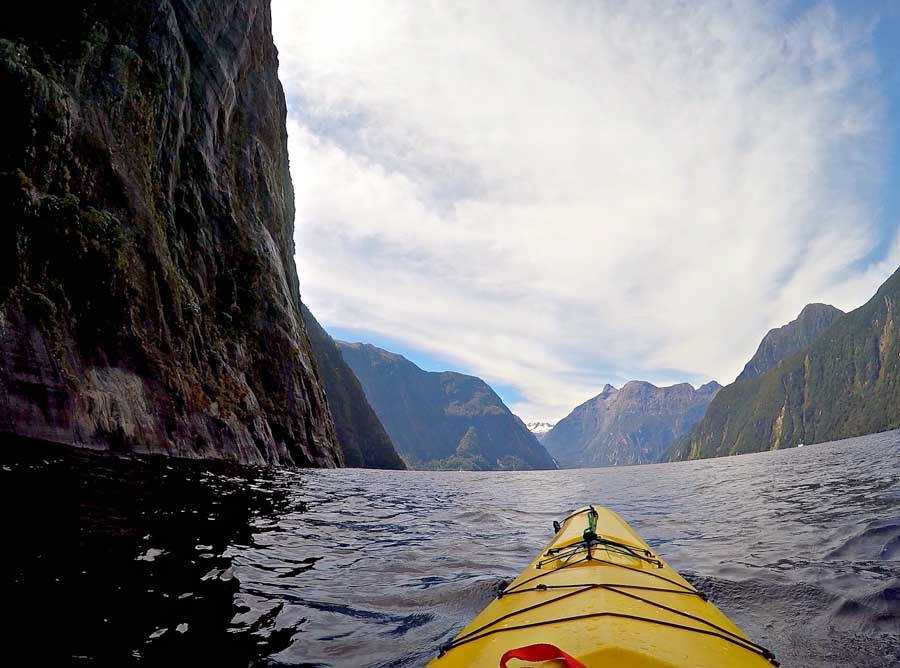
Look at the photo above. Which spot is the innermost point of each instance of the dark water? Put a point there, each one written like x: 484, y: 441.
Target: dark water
x: 154, y: 561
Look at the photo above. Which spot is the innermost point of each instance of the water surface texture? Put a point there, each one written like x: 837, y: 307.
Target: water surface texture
x: 148, y: 561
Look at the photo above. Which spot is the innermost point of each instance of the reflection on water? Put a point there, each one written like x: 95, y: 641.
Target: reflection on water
x: 120, y: 560
x: 154, y: 561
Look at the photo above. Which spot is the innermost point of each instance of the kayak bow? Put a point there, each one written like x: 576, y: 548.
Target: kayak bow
x: 598, y: 597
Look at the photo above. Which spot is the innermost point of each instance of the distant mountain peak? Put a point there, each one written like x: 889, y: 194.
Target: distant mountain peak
x: 782, y: 342
x: 815, y: 308
x: 607, y: 392
x: 631, y: 425
x: 539, y: 428
x: 443, y: 420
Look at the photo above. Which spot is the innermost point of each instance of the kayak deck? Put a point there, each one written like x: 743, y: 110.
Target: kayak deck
x: 598, y: 596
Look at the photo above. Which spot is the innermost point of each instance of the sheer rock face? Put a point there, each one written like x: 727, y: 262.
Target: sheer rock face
x: 360, y: 433
x: 782, y: 342
x: 632, y: 425
x: 443, y: 420
x: 148, y: 294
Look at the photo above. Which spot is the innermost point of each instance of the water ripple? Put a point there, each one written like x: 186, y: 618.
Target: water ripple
x: 146, y: 561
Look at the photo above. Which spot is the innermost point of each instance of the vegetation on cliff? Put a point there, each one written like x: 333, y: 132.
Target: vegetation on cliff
x: 846, y: 383
x: 148, y: 294
x: 360, y: 433
x: 784, y: 341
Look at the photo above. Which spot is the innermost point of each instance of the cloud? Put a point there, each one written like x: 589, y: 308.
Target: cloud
x: 559, y: 195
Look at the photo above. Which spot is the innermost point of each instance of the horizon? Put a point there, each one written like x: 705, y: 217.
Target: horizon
x: 643, y: 202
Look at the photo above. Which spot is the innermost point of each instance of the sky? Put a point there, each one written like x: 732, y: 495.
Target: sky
x: 558, y: 195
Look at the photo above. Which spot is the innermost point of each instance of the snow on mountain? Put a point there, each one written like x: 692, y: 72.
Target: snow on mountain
x: 539, y: 428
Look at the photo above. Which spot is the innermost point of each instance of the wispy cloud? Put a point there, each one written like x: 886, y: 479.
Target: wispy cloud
x: 557, y: 195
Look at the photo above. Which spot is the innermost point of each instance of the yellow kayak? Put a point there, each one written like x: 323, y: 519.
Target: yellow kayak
x: 599, y: 597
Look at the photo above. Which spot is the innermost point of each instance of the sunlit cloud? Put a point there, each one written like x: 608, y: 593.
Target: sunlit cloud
x: 560, y: 195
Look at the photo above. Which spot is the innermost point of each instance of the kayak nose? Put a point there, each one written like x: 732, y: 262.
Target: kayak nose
x: 598, y: 596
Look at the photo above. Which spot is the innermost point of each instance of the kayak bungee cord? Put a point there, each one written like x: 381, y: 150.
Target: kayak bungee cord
x: 557, y: 525
x: 611, y: 545
x: 589, y: 538
x: 543, y: 587
x: 600, y: 561
x: 748, y: 644
x: 562, y: 557
x: 631, y: 549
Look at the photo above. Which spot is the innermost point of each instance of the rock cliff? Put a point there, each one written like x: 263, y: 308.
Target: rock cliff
x: 634, y: 425
x: 360, y: 433
x: 784, y: 341
x: 443, y: 420
x: 148, y: 294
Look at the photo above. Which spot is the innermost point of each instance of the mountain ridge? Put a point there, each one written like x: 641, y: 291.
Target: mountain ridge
x: 631, y: 425
x: 781, y: 342
x: 845, y: 383
x: 442, y: 420
x: 362, y: 437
